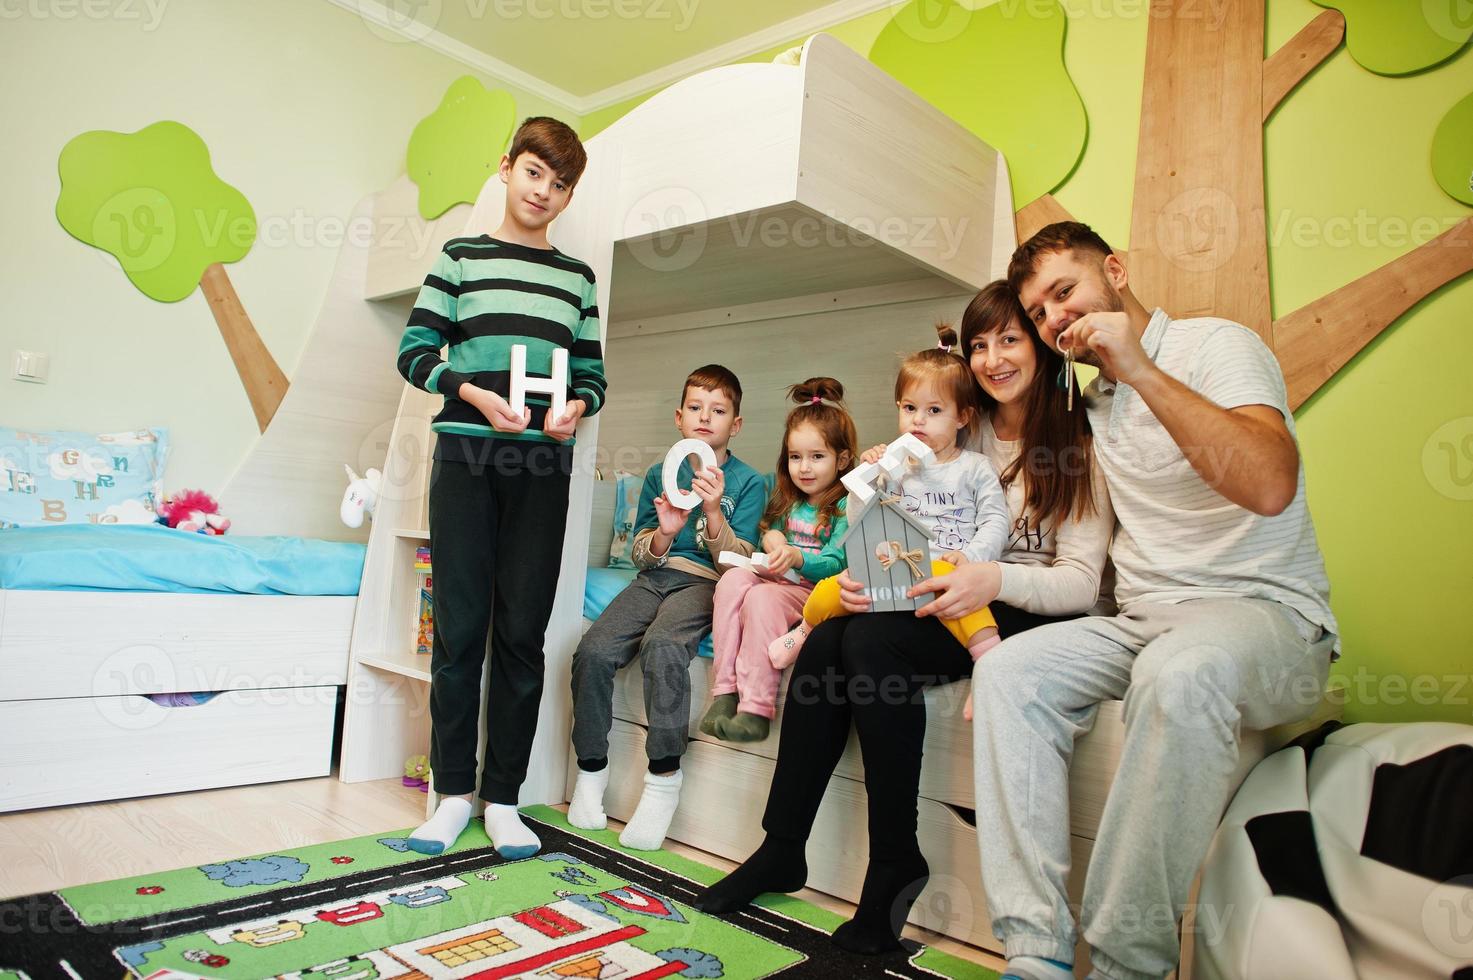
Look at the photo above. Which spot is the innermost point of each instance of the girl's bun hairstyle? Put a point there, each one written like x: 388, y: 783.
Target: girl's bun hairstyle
x: 824, y: 389
x: 946, y: 369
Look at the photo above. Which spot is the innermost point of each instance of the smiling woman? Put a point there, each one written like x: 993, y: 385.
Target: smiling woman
x: 847, y: 659
x: 1047, y: 462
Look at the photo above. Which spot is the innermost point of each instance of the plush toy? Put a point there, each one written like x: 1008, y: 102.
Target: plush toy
x: 417, y: 773
x: 193, y: 510
x: 361, y: 496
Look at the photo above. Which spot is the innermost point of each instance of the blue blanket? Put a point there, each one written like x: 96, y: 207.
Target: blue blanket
x: 154, y: 558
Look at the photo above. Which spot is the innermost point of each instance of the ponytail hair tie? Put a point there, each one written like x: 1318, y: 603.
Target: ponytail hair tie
x: 943, y: 345
x: 816, y: 400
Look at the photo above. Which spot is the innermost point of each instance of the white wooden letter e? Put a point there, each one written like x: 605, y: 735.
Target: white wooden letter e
x: 860, y: 480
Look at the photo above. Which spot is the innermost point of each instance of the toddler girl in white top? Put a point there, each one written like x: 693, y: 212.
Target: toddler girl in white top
x: 958, y: 497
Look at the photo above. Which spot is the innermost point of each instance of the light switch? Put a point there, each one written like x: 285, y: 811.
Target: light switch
x: 31, y: 366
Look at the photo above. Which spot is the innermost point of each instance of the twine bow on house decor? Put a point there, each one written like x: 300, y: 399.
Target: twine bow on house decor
x: 911, y: 558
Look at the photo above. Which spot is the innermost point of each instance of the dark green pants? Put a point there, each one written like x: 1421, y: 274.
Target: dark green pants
x: 496, y: 541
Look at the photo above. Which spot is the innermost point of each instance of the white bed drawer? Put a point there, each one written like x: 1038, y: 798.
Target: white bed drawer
x: 90, y: 644
x: 73, y: 750
x: 946, y: 774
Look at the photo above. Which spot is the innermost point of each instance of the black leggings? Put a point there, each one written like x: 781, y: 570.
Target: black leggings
x: 872, y: 669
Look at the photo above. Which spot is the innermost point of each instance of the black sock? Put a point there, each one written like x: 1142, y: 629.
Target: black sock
x: 777, y: 866
x: 890, y: 888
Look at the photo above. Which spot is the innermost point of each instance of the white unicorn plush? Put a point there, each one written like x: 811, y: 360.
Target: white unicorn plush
x: 361, y: 496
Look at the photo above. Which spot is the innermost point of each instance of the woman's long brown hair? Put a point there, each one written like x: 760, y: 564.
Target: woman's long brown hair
x: 1057, y: 452
x: 836, y: 428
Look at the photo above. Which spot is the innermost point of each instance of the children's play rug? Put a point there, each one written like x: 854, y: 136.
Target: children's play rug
x: 369, y: 908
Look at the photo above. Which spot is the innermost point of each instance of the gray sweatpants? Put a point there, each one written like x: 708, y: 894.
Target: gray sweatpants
x: 663, y: 615
x: 1193, y: 675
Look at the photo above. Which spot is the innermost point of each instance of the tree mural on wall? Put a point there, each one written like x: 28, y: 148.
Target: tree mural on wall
x: 1198, y: 235
x: 152, y: 200
x: 997, y: 74
x: 458, y: 147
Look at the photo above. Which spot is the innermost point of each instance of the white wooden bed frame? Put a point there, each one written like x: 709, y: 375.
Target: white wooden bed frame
x: 75, y: 666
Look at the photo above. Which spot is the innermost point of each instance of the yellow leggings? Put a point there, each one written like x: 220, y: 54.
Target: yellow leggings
x: 823, y: 604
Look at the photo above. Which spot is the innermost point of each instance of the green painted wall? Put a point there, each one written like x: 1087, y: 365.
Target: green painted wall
x: 1349, y: 187
x: 304, y: 109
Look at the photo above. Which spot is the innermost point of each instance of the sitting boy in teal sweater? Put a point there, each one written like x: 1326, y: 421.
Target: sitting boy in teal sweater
x: 666, y: 611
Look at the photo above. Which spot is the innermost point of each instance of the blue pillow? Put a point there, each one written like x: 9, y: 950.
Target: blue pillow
x: 50, y: 478
x: 626, y: 508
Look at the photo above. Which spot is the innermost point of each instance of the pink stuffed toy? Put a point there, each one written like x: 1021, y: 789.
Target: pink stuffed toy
x: 193, y: 510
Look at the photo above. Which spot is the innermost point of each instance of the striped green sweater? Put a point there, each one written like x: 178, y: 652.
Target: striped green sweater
x: 484, y: 296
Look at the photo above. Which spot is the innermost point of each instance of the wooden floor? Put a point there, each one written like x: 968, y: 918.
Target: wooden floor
x: 43, y: 850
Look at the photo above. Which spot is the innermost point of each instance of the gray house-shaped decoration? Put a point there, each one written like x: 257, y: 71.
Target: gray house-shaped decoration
x: 889, y: 551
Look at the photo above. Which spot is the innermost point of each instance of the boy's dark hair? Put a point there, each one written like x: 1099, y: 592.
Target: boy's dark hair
x: 714, y: 377
x: 1061, y: 236
x: 554, y: 143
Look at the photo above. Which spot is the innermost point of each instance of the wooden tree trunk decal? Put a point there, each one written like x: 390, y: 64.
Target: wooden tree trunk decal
x: 1198, y: 234
x: 264, y: 381
x: 1198, y: 237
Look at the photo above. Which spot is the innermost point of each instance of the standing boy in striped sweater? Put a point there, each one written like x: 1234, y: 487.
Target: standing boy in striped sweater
x: 499, y: 488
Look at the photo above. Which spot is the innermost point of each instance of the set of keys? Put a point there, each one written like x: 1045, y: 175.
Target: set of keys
x: 1066, y: 379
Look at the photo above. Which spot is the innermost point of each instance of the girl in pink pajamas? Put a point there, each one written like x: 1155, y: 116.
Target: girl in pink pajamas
x: 800, y: 532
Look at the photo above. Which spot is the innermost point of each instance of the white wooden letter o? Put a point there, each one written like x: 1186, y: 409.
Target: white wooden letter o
x: 684, y: 499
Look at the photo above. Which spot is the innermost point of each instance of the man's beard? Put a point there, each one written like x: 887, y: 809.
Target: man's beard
x: 1112, y: 303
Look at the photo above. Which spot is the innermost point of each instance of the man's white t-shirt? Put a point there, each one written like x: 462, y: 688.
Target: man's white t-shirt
x: 1177, y: 538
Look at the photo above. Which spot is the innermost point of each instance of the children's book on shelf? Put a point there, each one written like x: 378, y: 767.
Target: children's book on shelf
x: 424, y: 640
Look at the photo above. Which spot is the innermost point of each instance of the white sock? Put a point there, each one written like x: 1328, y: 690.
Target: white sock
x: 586, y: 812
x: 645, y: 831
x: 1038, y: 968
x: 439, y: 833
x: 508, y: 834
